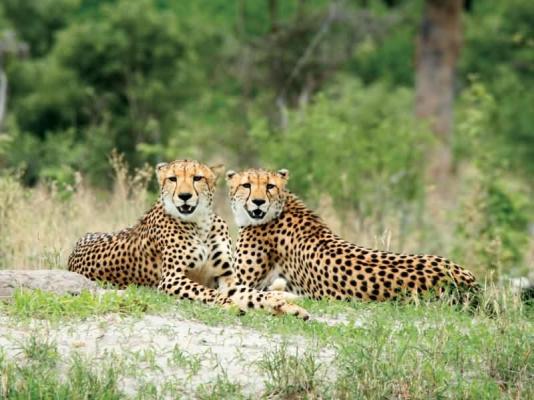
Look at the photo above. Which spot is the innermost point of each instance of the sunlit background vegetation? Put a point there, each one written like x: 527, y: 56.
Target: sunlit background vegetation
x: 97, y: 89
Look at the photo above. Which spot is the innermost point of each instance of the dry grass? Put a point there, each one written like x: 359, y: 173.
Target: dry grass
x: 39, y: 226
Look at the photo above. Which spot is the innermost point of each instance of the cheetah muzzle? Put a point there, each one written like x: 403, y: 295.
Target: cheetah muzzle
x: 186, y: 209
x: 256, y: 213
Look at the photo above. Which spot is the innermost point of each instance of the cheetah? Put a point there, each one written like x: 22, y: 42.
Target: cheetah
x: 180, y: 246
x: 281, y: 238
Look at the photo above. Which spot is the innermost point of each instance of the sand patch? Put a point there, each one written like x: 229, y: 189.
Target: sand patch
x: 163, y: 350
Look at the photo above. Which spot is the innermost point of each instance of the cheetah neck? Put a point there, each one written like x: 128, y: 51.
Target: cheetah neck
x: 297, y: 207
x: 202, y: 219
x: 204, y: 224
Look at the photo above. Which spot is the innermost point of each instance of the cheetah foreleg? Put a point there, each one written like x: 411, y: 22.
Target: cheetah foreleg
x: 275, y: 302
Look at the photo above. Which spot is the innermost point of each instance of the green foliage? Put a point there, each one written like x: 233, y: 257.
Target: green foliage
x: 46, y: 96
x: 130, y: 63
x: 499, y: 49
x: 59, y: 155
x: 108, y: 82
x: 337, y: 146
x: 502, y: 31
x: 155, y: 78
x: 47, y: 18
x: 493, y: 227
x: 385, y: 59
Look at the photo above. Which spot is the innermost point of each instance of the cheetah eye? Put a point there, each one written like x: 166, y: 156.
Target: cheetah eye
x: 196, y: 178
x: 172, y: 178
x: 270, y: 186
x: 246, y: 185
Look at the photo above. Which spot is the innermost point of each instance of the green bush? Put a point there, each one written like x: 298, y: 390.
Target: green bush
x: 47, y: 18
x: 108, y: 82
x: 386, y: 59
x: 492, y: 232
x: 358, y: 144
x: 499, y: 50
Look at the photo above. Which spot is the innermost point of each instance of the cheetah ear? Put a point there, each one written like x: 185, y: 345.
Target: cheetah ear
x: 159, y: 166
x: 230, y: 174
x: 283, y: 173
x: 217, y: 169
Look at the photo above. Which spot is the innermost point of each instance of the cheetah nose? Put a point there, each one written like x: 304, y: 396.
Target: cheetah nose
x: 185, y: 196
x: 258, y: 202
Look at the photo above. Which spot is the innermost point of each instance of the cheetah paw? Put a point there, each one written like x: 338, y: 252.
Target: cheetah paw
x: 280, y: 303
x: 292, y: 309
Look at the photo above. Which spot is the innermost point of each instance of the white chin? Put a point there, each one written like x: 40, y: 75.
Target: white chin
x: 188, y: 217
x: 170, y: 208
x: 257, y: 221
x: 242, y: 217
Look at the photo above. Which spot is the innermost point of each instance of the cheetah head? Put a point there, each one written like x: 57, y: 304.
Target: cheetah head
x: 187, y: 188
x: 257, y: 196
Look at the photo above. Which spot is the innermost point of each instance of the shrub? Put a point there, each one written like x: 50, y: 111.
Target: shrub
x: 360, y: 145
x: 492, y: 231
x: 111, y: 81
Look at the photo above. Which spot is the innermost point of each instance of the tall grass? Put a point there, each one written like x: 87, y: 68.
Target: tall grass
x: 39, y: 226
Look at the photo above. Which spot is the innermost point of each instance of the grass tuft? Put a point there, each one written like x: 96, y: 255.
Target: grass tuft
x: 39, y: 376
x: 39, y: 304
x: 221, y: 388
x: 182, y: 359
x: 292, y: 376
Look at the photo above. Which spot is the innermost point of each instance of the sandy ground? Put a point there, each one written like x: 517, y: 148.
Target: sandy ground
x: 147, y: 346
x: 173, y: 353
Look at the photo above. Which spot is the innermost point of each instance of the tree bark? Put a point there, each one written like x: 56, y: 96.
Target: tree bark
x: 273, y: 14
x: 8, y: 45
x: 438, y: 47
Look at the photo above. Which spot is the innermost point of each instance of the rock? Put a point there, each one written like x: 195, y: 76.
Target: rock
x: 523, y: 286
x: 53, y: 280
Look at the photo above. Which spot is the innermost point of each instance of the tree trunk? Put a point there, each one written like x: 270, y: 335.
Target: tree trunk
x: 273, y: 14
x: 438, y: 47
x: 8, y: 45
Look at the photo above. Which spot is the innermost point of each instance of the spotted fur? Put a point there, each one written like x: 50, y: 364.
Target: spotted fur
x: 280, y: 237
x: 179, y: 246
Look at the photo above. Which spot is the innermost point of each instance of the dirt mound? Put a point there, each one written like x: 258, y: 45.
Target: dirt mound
x: 53, y: 280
